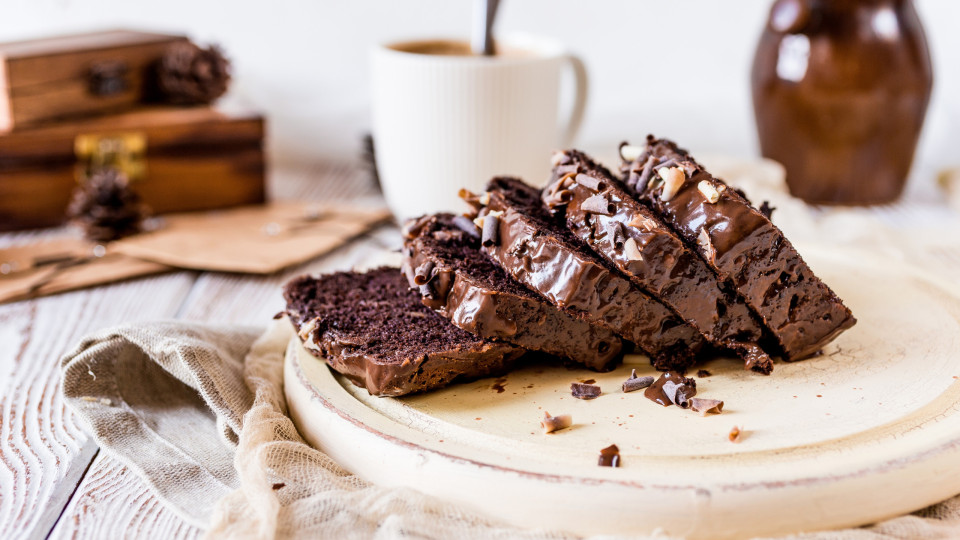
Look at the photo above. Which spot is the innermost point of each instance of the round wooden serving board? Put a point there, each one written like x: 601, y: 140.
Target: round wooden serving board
x: 868, y: 430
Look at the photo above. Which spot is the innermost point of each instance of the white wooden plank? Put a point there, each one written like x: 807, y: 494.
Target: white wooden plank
x: 43, y: 449
x: 113, y: 502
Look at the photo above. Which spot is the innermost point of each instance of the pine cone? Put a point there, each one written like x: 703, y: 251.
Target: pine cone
x: 189, y: 75
x: 106, y: 207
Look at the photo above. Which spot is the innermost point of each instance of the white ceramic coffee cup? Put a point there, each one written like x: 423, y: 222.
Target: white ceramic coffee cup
x: 442, y: 122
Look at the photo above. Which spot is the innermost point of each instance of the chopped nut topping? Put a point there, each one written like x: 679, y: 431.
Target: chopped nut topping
x: 630, y: 152
x: 555, y: 423
x: 706, y: 406
x: 558, y: 157
x: 736, y: 434
x: 709, y: 192
x: 673, y: 178
x: 703, y: 240
x: 485, y: 198
x: 642, y: 222
x: 631, y: 250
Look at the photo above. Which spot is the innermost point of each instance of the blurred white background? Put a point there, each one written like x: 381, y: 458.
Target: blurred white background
x: 304, y: 62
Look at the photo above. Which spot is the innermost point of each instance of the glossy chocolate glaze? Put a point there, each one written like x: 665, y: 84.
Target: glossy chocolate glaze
x: 542, y: 254
x: 344, y: 344
x: 745, y: 250
x: 482, y: 299
x: 661, y: 265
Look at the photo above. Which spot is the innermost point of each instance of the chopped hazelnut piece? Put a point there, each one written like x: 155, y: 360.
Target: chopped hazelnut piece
x: 631, y: 250
x: 735, y: 434
x: 630, y: 152
x: 673, y: 178
x: 706, y: 406
x: 709, y: 192
x: 555, y: 423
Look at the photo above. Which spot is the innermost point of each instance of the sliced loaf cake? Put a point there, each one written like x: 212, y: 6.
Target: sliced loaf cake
x: 442, y: 259
x: 598, y: 210
x: 739, y: 243
x: 539, y: 251
x: 374, y: 329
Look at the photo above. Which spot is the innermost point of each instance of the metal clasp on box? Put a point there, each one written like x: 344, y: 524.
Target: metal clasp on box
x: 123, y: 151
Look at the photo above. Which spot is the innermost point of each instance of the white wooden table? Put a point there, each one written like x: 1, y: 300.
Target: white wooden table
x: 54, y: 480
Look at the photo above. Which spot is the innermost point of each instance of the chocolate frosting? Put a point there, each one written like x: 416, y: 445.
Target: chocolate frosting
x: 543, y: 255
x: 602, y: 214
x: 744, y: 248
x: 480, y: 298
x: 341, y: 317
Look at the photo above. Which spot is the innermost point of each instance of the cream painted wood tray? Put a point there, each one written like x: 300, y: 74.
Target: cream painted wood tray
x: 867, y: 430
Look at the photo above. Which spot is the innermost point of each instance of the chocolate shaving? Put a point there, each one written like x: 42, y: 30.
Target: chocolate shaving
x: 558, y: 196
x: 589, y: 182
x: 555, y: 423
x: 597, y: 204
x: 766, y: 209
x: 470, y: 198
x: 491, y: 231
x: 584, y: 391
x: 667, y: 163
x: 646, y: 173
x: 685, y: 387
x: 619, y: 236
x: 466, y: 225
x: 679, y: 394
x: 706, y: 406
x: 703, y: 373
x: 689, y: 167
x: 609, y: 456
x: 567, y: 169
x: 427, y: 290
x: 424, y: 273
x: 635, y: 383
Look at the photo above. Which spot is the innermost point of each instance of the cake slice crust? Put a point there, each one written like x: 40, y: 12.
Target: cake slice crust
x: 599, y: 211
x: 374, y: 329
x: 444, y: 262
x: 743, y: 247
x: 541, y: 253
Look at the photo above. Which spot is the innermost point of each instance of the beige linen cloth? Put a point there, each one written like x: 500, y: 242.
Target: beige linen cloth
x: 198, y: 411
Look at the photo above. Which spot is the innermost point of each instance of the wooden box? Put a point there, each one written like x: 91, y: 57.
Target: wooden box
x: 179, y: 159
x: 70, y: 76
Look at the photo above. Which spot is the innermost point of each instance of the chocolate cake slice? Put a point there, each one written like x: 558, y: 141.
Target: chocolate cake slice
x: 539, y: 251
x: 603, y: 215
x: 741, y: 245
x: 375, y: 330
x: 443, y: 261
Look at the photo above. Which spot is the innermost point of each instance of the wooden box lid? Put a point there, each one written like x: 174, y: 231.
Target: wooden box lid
x: 55, y: 78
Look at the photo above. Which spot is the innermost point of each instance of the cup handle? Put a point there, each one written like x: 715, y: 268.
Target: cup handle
x: 579, y: 99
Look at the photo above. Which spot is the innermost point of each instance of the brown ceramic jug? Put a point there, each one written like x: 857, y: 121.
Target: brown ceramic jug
x: 840, y: 89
